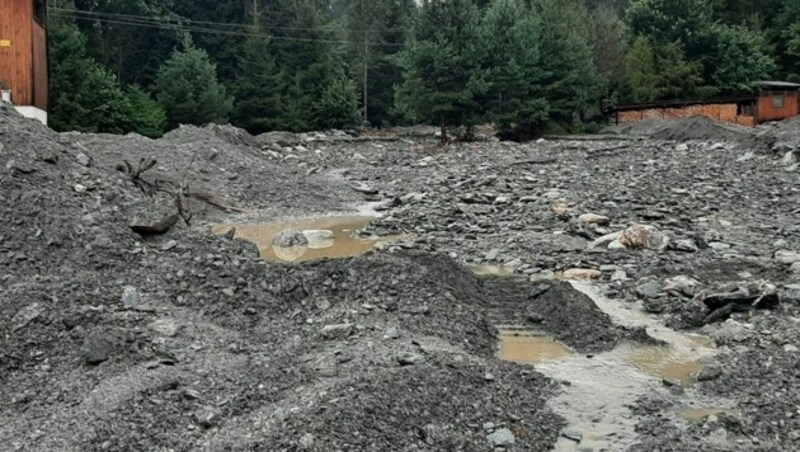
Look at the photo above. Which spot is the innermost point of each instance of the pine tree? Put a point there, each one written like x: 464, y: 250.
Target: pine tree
x: 258, y: 89
x: 85, y: 96
x: 188, y: 89
x: 440, y: 65
x: 147, y: 117
x: 514, y: 98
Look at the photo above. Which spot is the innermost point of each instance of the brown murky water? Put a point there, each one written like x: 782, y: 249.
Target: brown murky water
x: 529, y: 347
x: 664, y: 362
x: 329, y: 237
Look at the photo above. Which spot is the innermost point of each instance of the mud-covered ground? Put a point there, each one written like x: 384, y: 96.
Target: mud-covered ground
x: 189, y: 341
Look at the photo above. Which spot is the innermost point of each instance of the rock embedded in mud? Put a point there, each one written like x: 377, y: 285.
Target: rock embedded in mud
x: 641, y: 236
x: 319, y: 239
x: 787, y: 257
x: 342, y: 331
x: 502, y: 438
x: 208, y: 417
x: 26, y: 315
x: 592, y: 218
x: 130, y: 297
x: 289, y: 238
x: 582, y: 273
x: 164, y: 327
x: 572, y: 435
x: 97, y: 348
x: 410, y: 359
x: 708, y: 373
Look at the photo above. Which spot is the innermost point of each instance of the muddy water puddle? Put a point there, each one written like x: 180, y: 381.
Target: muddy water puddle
x: 316, y: 238
x: 603, y: 387
x: 529, y: 347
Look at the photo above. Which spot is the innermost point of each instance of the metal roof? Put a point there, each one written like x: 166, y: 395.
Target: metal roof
x: 778, y: 84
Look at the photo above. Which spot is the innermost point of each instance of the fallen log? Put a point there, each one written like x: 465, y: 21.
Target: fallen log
x: 721, y: 306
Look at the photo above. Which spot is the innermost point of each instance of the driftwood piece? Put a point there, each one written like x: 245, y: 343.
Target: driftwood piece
x: 723, y: 305
x: 155, y: 228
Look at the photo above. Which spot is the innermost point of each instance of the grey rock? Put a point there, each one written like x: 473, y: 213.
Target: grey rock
x: 790, y: 158
x: 323, y: 304
x: 130, y: 297
x: 592, y: 218
x: 709, y: 373
x: 410, y: 359
x: 502, y: 438
x: 787, y: 257
x: 341, y: 331
x: 619, y: 275
x: 649, y: 289
x: 488, y: 376
x: 391, y: 333
x: 26, y: 315
x: 83, y: 159
x: 289, y: 238
x: 644, y: 236
x: 790, y: 348
x: 605, y: 241
x: 685, y: 245
x: 572, y: 435
x: 164, y: 327
x: 492, y: 255
x: 307, y: 441
x: 319, y: 239
x: 681, y: 284
x: 208, y: 417
x: 97, y: 348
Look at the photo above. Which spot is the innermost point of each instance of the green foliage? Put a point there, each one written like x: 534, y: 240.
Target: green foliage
x: 572, y: 84
x: 740, y: 59
x: 512, y: 69
x: 188, y: 89
x: 440, y: 65
x: 147, y: 117
x: 86, y: 97
x: 258, y: 89
x: 338, y: 107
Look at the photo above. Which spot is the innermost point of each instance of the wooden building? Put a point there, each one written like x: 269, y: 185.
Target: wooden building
x: 23, y: 56
x: 774, y: 101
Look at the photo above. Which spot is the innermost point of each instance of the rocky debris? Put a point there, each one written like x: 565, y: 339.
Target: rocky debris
x: 97, y: 348
x: 787, y: 257
x: 410, y: 359
x: 164, y: 327
x: 26, y: 315
x: 130, y: 297
x: 501, y: 438
x: 208, y: 417
x: 709, y: 373
x: 341, y: 331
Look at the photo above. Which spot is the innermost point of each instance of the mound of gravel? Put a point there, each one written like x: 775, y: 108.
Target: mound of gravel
x: 701, y: 128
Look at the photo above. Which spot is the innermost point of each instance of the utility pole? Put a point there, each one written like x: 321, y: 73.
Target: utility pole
x: 366, y: 63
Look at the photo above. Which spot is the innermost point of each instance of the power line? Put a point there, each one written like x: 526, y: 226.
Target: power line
x: 196, y: 29
x: 179, y: 21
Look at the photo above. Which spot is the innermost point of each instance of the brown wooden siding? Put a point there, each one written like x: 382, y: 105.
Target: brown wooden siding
x: 720, y: 112
x: 40, y: 76
x: 768, y: 112
x: 16, y: 61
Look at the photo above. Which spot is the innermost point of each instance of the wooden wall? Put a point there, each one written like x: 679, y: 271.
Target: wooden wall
x: 41, y: 84
x: 720, y: 112
x: 766, y: 112
x: 16, y: 61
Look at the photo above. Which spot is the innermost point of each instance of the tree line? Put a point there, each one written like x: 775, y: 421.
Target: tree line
x: 527, y: 66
